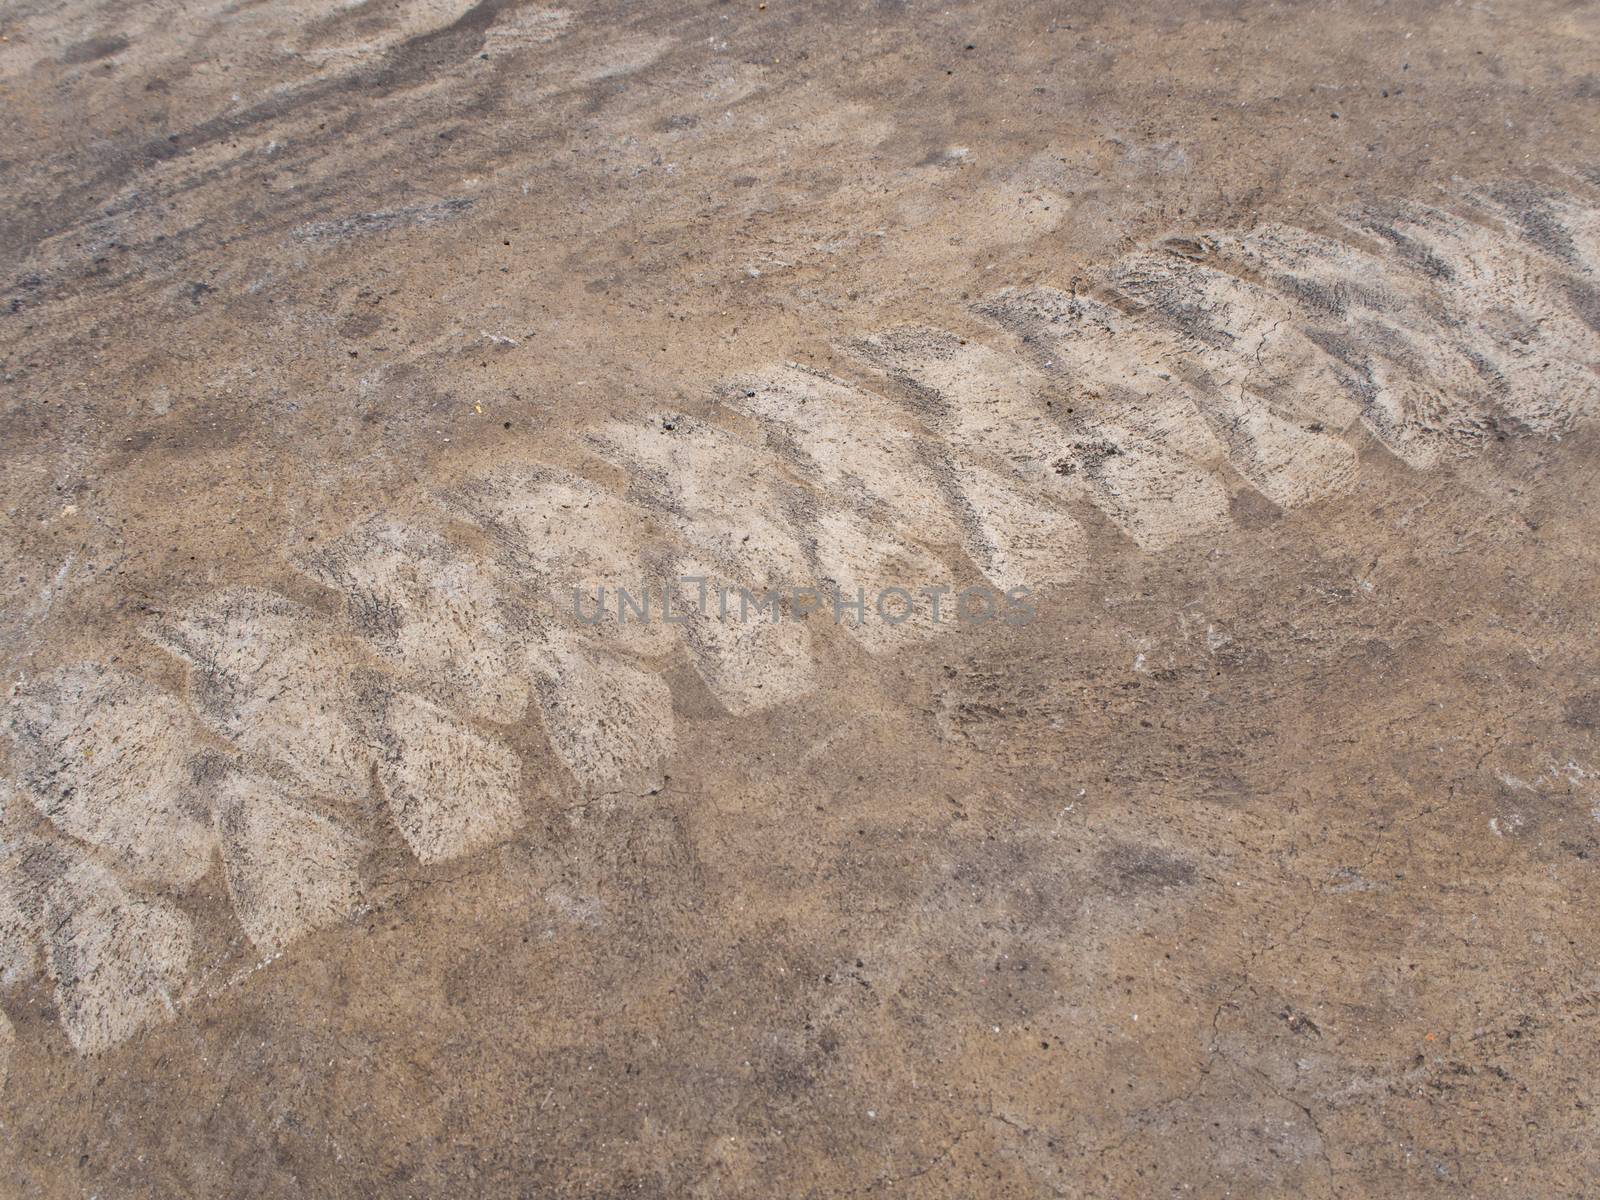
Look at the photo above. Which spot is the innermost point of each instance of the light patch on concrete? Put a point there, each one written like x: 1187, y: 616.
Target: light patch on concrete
x: 1159, y: 500
x: 22, y: 865
x: 19, y: 932
x: 748, y: 662
x: 560, y: 532
x: 863, y: 563
x: 1231, y: 336
x: 1542, y: 355
x: 278, y: 681
x: 1209, y: 369
x: 434, y: 612
x: 289, y: 869
x: 1018, y: 539
x: 979, y: 399
x: 521, y: 27
x: 8, y: 1041
x: 117, y: 958
x: 611, y: 722
x: 106, y: 757
x: 717, y: 492
x: 1288, y: 463
x: 995, y: 403
x: 1113, y: 369
x: 1420, y: 389
x: 853, y: 447
x: 452, y: 791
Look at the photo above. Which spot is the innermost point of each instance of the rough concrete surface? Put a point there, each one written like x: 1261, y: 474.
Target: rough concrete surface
x: 1257, y: 341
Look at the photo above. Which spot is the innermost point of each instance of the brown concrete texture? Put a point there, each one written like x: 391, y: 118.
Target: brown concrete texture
x: 1254, y: 342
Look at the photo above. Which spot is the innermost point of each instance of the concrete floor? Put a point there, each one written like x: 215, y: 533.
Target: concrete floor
x: 1256, y: 342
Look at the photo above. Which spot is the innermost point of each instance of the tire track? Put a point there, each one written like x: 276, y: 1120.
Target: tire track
x: 1185, y: 373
